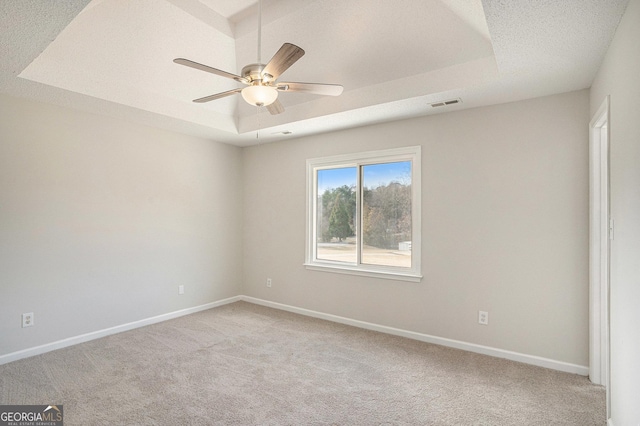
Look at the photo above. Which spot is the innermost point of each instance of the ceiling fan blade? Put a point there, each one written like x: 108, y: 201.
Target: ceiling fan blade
x: 275, y: 108
x: 217, y: 96
x: 188, y: 63
x: 315, y: 88
x: 286, y: 56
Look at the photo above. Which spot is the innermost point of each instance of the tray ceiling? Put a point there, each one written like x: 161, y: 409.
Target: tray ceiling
x: 115, y: 57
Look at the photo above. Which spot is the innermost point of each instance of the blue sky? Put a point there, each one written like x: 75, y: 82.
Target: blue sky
x: 374, y: 175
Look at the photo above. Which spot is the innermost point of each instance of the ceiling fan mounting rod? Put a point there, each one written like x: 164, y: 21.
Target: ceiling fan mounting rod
x: 259, y: 29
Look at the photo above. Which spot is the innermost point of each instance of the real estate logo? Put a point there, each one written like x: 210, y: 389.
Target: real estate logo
x: 31, y: 415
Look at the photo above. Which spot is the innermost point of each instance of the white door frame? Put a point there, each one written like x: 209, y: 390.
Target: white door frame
x: 601, y: 230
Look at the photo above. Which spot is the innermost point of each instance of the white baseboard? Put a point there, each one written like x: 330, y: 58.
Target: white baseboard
x: 25, y: 353
x: 471, y: 347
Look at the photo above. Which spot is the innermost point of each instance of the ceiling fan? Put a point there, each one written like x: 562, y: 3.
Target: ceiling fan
x: 261, y: 80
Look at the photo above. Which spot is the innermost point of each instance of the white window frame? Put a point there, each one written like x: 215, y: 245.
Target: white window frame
x: 411, y: 153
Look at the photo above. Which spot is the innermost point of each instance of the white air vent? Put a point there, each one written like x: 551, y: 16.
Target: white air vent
x: 445, y: 103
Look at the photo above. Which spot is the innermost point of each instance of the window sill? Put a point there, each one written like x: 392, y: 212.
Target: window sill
x: 373, y: 273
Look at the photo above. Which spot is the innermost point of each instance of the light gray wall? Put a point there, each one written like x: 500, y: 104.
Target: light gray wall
x: 101, y: 220
x: 504, y: 227
x: 619, y: 77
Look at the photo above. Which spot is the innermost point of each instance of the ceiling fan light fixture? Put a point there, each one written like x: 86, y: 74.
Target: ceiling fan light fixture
x: 262, y: 79
x: 260, y: 95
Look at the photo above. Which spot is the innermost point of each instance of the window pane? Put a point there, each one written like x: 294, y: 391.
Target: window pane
x: 386, y: 214
x: 336, y: 215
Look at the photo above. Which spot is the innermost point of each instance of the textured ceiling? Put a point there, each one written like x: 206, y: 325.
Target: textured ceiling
x: 114, y: 57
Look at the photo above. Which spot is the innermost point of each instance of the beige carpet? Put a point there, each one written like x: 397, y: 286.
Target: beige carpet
x: 243, y: 364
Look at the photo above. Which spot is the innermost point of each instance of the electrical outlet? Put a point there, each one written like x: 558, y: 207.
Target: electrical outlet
x: 180, y: 289
x: 483, y: 317
x: 268, y: 282
x: 27, y: 320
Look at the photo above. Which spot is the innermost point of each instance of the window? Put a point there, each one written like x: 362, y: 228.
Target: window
x: 363, y: 214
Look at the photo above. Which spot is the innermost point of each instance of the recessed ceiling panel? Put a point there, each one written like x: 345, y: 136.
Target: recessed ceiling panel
x: 368, y: 49
x: 356, y: 44
x: 122, y: 51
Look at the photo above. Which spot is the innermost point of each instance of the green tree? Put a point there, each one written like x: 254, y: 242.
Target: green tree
x: 324, y: 211
x: 339, y: 220
x: 387, y: 215
x: 342, y: 200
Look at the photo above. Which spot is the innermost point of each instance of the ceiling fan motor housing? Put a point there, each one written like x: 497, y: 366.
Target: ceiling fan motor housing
x: 253, y: 73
